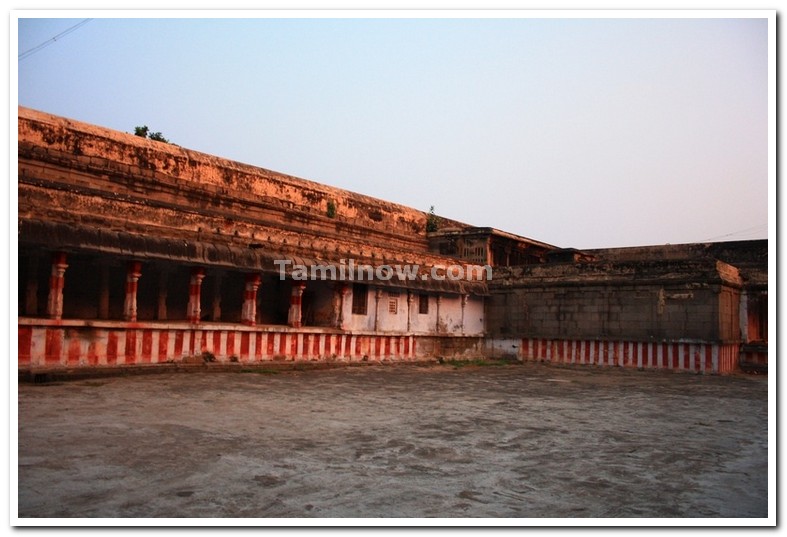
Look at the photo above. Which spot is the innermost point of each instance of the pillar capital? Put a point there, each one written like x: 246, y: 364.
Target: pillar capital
x: 59, y: 260
x: 341, y: 288
x: 134, y: 268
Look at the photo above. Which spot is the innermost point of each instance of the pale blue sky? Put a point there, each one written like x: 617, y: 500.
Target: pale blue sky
x: 577, y: 132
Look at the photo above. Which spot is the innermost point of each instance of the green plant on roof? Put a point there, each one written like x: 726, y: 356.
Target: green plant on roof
x: 432, y: 220
x: 144, y: 132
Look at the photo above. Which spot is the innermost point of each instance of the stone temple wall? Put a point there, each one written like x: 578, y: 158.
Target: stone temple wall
x: 163, y: 253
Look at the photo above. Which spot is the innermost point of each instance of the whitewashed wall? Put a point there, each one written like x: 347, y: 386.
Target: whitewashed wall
x: 474, y: 316
x: 445, y: 318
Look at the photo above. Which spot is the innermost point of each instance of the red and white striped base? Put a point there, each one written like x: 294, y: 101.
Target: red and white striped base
x: 697, y: 357
x: 52, y: 346
x: 54, y: 343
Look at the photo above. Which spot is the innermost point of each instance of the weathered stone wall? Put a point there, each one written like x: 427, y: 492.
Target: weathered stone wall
x: 134, y: 163
x: 750, y: 257
x: 738, y: 253
x: 451, y: 347
x: 95, y: 178
x: 642, y: 301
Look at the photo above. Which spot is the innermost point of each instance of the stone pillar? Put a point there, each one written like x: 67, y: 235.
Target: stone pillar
x: 161, y: 310
x: 133, y: 272
x: 294, y: 315
x: 194, y: 311
x: 464, y: 303
x: 437, y: 316
x: 743, y: 316
x: 249, y: 312
x: 31, y: 288
x: 339, y: 296
x: 216, y: 306
x: 410, y: 298
x: 54, y: 305
x: 378, y: 293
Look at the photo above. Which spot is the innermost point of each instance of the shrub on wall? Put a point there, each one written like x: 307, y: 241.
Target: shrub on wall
x: 432, y: 220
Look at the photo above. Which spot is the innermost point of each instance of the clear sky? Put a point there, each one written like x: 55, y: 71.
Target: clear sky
x: 577, y: 132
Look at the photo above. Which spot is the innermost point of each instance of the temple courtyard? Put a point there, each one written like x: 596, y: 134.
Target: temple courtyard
x: 451, y: 440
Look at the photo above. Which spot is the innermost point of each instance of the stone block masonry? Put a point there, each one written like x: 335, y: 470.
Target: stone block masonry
x: 639, y: 301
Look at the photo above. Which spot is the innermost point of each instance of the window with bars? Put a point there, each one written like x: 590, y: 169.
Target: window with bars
x: 393, y: 303
x: 474, y: 253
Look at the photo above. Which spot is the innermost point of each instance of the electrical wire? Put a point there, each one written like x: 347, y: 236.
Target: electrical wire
x: 742, y: 231
x: 26, y: 54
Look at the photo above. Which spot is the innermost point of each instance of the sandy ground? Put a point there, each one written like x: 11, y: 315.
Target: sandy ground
x: 396, y: 441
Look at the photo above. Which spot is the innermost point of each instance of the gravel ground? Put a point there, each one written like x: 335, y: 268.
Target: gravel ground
x: 525, y: 441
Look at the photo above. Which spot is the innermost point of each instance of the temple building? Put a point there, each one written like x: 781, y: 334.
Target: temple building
x: 134, y: 252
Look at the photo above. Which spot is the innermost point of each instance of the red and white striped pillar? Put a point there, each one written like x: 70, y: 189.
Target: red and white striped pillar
x: 249, y: 312
x: 133, y: 272
x: 294, y: 315
x: 194, y: 311
x: 54, y: 305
